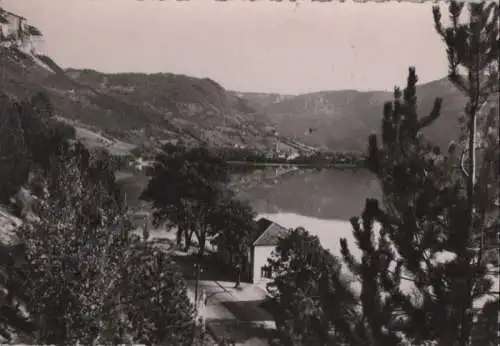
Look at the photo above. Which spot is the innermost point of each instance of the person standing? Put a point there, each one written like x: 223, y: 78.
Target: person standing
x: 237, y: 270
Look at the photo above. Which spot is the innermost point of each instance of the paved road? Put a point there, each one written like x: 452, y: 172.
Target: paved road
x: 229, y: 312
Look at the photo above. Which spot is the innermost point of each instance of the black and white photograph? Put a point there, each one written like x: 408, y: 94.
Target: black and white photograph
x: 249, y: 173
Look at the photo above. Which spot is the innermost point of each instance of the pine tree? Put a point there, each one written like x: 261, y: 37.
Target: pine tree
x: 434, y: 208
x: 379, y: 322
x: 473, y: 47
x: 413, y: 274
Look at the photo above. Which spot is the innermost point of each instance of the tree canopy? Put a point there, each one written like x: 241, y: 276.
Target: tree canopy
x: 78, y: 274
x: 90, y: 279
x: 14, y: 159
x: 424, y: 275
x: 233, y: 225
x: 310, y: 295
x: 437, y: 207
x: 188, y: 189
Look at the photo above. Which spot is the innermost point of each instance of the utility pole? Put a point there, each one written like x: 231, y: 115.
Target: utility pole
x: 197, y: 283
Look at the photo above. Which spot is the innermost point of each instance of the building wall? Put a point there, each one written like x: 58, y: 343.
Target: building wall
x: 13, y: 24
x: 260, y: 257
x: 29, y: 43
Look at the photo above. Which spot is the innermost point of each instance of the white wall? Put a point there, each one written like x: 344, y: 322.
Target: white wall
x: 261, y: 254
x: 30, y: 43
x: 13, y: 24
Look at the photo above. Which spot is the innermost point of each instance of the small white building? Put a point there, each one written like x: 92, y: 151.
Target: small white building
x: 15, y: 31
x: 263, y: 247
x: 293, y: 156
x: 253, y: 268
x: 14, y: 25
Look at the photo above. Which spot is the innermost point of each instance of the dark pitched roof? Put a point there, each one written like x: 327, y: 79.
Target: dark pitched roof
x: 269, y: 233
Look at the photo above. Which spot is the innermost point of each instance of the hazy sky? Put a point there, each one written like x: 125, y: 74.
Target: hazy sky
x: 248, y: 46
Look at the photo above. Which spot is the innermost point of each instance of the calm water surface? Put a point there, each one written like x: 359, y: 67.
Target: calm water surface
x: 321, y: 202
x: 327, y: 195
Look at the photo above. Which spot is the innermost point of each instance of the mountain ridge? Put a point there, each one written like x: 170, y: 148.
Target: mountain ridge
x: 145, y: 109
x: 341, y: 120
x: 137, y: 108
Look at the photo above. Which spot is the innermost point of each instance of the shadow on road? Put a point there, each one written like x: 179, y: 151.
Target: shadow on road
x: 248, y: 310
x: 242, y: 332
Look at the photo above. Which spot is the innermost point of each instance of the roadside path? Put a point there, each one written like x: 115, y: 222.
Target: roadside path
x: 229, y: 313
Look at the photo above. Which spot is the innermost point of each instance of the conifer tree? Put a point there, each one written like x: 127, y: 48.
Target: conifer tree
x: 473, y: 52
x: 424, y: 276
x: 413, y: 274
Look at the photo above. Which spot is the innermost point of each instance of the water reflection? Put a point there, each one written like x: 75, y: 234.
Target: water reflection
x: 328, y: 195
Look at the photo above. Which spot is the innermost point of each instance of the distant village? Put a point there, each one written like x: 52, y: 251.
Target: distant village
x: 281, y: 153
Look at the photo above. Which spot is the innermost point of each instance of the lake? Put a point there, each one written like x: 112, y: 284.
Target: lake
x: 321, y: 202
x: 328, y: 194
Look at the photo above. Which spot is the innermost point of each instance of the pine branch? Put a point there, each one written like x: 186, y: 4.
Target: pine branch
x: 434, y: 114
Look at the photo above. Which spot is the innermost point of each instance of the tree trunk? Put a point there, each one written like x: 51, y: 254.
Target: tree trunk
x: 188, y: 235
x: 467, y: 314
x: 180, y: 232
x: 201, y: 244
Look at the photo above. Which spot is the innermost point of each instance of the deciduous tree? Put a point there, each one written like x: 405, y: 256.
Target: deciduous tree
x: 310, y: 295
x: 13, y: 319
x: 14, y: 157
x: 89, y: 278
x: 185, y: 187
x: 233, y: 226
x: 159, y: 309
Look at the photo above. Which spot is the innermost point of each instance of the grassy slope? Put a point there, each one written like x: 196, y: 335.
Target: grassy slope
x: 138, y: 108
x: 197, y: 106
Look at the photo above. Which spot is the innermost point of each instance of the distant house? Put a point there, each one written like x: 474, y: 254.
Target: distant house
x: 263, y: 247
x: 293, y: 156
x: 14, y: 24
x: 141, y: 164
x: 15, y: 31
x: 253, y: 268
